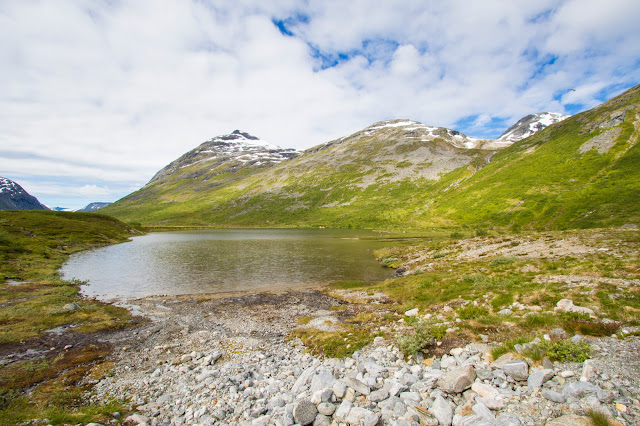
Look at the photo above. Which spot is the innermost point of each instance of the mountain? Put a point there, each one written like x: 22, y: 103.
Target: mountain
x: 345, y: 174
x: 91, y: 207
x: 529, y: 125
x: 579, y: 172
x: 13, y: 197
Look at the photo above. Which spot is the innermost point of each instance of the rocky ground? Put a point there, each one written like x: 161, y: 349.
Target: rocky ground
x: 228, y: 361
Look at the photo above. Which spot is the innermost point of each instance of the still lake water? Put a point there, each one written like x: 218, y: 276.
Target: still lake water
x: 217, y: 261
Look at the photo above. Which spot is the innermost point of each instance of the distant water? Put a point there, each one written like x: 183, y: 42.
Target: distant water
x: 215, y: 261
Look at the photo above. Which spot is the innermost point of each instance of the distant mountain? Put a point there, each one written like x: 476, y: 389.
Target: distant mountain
x: 224, y: 154
x: 529, y: 125
x: 13, y: 197
x: 579, y: 172
x: 91, y: 207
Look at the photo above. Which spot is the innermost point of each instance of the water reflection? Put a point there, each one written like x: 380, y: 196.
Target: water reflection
x: 211, y: 261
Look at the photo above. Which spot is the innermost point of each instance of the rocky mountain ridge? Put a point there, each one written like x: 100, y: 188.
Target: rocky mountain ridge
x: 239, y: 148
x: 14, y: 197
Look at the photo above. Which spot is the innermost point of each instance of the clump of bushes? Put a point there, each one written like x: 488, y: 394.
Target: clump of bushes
x: 425, y: 335
x: 566, y: 350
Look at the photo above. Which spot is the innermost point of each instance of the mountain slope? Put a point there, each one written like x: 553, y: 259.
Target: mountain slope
x: 14, y: 197
x: 340, y: 183
x: 579, y: 172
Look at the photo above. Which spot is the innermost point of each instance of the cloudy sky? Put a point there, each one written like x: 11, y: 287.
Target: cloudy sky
x: 97, y: 95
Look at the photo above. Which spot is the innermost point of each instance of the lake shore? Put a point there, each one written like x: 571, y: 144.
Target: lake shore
x: 229, y: 360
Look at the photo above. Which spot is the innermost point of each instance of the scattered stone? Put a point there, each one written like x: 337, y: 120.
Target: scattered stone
x: 305, y: 412
x: 442, y: 411
x: 412, y: 312
x: 357, y: 385
x: 566, y: 305
x: 554, y: 396
x: 136, y: 419
x: 518, y: 370
x: 326, y: 408
x: 456, y: 381
x: 538, y: 377
x: 71, y: 307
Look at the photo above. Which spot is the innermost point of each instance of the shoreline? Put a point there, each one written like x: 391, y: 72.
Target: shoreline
x: 230, y: 360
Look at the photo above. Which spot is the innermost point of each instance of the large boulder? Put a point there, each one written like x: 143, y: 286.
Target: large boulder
x: 457, y: 380
x: 518, y: 369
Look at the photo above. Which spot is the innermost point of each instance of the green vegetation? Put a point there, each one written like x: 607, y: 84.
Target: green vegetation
x: 566, y: 350
x: 467, y: 291
x: 425, y: 336
x: 33, y: 299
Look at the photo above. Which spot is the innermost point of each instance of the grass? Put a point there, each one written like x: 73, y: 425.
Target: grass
x: 334, y: 344
x: 474, y: 290
x: 33, y: 245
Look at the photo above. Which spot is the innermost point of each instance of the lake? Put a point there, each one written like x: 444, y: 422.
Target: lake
x: 218, y: 261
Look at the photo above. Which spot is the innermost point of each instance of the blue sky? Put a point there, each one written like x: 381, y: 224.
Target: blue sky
x: 96, y: 96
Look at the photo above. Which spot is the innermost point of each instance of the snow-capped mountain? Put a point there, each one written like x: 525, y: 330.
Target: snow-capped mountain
x: 13, y: 197
x: 92, y: 207
x: 238, y: 147
x: 529, y: 125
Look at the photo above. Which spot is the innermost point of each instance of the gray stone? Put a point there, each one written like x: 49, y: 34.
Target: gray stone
x: 303, y: 379
x: 507, y: 420
x: 518, y: 370
x: 322, y: 420
x: 304, y: 412
x: 482, y: 411
x: 362, y: 416
x: 322, y: 380
x: 457, y: 380
x: 379, y: 395
x: 71, y: 307
x: 579, y: 389
x: 442, y: 411
x: 605, y: 396
x: 137, y: 419
x: 343, y: 411
x: 339, y: 389
x: 538, y: 377
x: 357, y: 385
x: 500, y: 362
x: 558, y: 334
x: 505, y: 312
x: 326, y: 408
x: 554, y: 396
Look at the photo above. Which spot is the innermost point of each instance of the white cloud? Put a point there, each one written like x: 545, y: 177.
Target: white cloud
x: 107, y: 93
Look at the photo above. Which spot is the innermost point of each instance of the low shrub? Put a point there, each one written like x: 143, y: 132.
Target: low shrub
x: 425, y: 335
x: 566, y: 350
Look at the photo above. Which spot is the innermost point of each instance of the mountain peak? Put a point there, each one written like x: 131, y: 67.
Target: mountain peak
x: 14, y: 197
x: 529, y: 125
x: 226, y: 153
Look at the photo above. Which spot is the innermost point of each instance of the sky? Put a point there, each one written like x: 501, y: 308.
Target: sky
x: 96, y: 96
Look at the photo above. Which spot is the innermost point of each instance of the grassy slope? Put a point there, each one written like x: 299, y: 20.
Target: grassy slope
x: 556, y: 186
x: 33, y: 245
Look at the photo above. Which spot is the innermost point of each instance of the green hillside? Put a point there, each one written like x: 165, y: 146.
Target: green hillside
x: 581, y: 172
